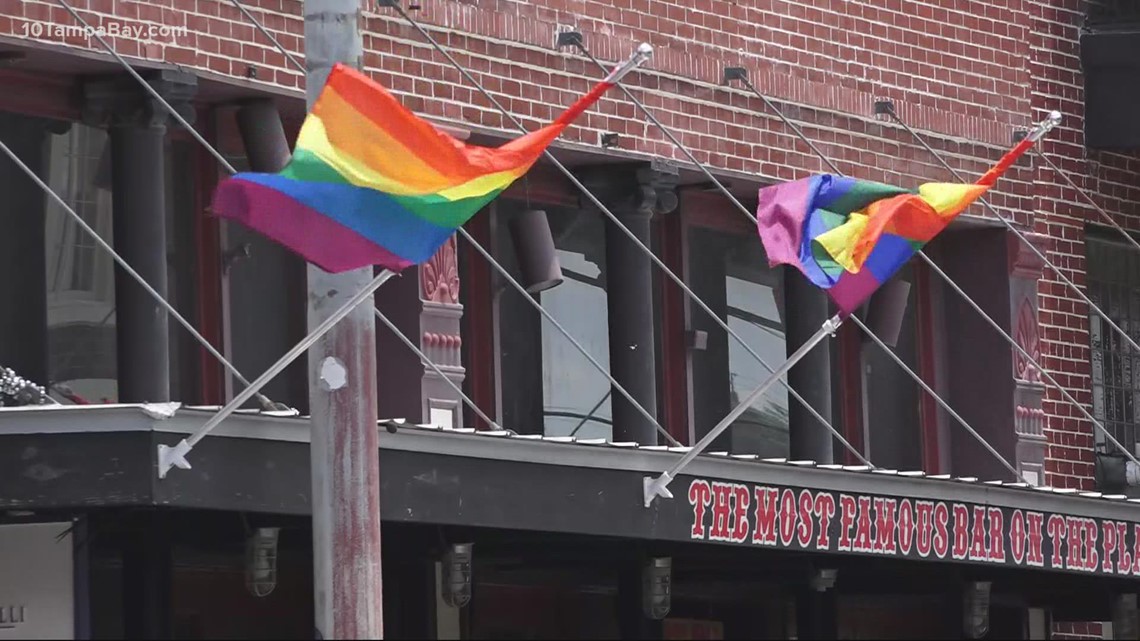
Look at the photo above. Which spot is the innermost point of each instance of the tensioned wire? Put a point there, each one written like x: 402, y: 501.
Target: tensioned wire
x: 601, y: 208
x: 946, y: 277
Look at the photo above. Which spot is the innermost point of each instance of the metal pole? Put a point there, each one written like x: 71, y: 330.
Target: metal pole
x: 659, y: 486
x: 176, y: 456
x: 347, y: 583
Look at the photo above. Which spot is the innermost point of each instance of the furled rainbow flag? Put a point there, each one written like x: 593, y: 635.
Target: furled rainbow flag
x: 850, y: 236
x: 370, y: 183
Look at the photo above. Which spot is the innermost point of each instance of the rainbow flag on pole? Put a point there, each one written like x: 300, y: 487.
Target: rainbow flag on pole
x: 850, y: 236
x: 371, y: 183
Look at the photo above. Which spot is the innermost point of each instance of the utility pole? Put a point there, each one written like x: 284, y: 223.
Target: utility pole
x: 342, y: 394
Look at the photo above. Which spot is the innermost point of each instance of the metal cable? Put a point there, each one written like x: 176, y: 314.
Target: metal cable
x: 752, y: 217
x: 946, y: 277
x: 522, y: 290
x: 617, y: 222
x: 1057, y: 271
x: 1093, y: 306
x: 261, y: 398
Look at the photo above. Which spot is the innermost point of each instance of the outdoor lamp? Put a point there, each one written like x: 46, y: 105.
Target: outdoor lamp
x: 457, y: 574
x: 261, y: 561
x: 656, y: 587
x: 534, y: 247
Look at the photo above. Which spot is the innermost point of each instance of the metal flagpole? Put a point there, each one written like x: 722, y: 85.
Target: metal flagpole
x: 345, y: 451
x: 654, y: 487
x: 400, y: 334
x: 1016, y: 232
x: 1064, y: 392
x: 617, y: 223
x: 577, y: 42
x: 739, y: 75
x: 229, y: 167
x: 176, y: 456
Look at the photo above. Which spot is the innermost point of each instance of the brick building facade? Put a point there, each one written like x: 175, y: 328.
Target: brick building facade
x: 965, y: 74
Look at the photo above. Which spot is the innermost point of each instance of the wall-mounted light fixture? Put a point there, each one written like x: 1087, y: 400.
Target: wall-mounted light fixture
x: 457, y: 574
x: 534, y: 248
x: 976, y: 609
x: 824, y: 579
x: 657, y: 587
x: 261, y: 561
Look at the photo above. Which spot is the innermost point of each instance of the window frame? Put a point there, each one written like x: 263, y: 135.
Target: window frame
x: 1102, y: 236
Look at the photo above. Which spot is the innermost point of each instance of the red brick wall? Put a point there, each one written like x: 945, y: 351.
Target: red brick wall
x: 963, y: 72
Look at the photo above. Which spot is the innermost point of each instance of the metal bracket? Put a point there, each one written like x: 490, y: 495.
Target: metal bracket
x: 169, y: 457
x: 884, y: 107
x: 388, y: 3
x: 734, y: 73
x: 572, y: 38
x: 655, y: 487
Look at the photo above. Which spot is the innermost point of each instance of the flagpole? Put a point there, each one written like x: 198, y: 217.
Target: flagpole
x: 169, y: 457
x: 659, y: 486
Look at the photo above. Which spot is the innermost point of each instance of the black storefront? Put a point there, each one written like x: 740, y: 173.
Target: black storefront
x: 562, y: 544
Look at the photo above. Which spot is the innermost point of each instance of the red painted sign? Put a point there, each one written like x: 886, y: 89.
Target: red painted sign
x: 825, y: 521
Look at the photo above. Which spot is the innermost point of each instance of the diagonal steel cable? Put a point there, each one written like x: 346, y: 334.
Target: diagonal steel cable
x: 1064, y: 392
x: 439, y: 372
x: 463, y: 232
x: 614, y: 219
x: 949, y: 281
x: 1104, y: 214
x: 232, y: 170
x: 261, y: 398
x: 692, y: 158
x: 701, y: 303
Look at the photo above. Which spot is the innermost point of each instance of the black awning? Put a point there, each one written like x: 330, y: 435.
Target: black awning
x: 76, y: 458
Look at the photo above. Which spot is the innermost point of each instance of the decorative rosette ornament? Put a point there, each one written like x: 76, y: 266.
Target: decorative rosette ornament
x: 16, y: 390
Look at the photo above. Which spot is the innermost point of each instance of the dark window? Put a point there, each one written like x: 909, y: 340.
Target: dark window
x: 891, y: 397
x: 730, y: 273
x: 545, y: 384
x: 1114, y: 286
x: 58, y: 327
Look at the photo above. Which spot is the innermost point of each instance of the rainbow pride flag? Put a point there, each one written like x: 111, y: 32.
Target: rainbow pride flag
x: 850, y: 236
x: 371, y: 183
